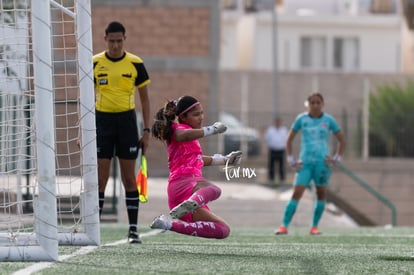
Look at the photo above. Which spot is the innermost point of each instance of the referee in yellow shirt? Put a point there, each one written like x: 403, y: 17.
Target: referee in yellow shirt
x: 117, y: 76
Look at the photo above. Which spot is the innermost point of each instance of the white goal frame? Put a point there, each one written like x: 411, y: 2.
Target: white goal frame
x: 42, y: 244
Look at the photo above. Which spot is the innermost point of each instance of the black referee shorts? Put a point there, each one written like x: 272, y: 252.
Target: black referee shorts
x: 117, y: 135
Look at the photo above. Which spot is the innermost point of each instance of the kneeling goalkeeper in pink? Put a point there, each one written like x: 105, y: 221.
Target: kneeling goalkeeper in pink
x: 179, y: 125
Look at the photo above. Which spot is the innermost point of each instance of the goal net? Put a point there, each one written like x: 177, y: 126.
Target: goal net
x: 48, y: 170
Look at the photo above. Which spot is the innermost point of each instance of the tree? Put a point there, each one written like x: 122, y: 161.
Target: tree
x: 391, y: 120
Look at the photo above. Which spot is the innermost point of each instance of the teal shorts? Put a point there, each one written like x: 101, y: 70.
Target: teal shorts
x: 318, y: 172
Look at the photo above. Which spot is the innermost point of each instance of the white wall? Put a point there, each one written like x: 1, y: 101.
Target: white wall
x: 228, y: 48
x: 380, y: 40
x: 384, y: 42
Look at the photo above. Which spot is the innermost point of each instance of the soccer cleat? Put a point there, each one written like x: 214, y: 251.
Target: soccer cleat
x: 161, y: 222
x: 314, y: 231
x: 188, y: 206
x: 282, y: 230
x: 133, y: 237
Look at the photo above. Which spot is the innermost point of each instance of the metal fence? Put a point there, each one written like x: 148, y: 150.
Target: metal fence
x: 361, y: 142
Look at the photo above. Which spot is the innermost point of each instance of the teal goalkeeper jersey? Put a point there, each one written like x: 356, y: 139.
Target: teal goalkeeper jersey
x: 315, y: 136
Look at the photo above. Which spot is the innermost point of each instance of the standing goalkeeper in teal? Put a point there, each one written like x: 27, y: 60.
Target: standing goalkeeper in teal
x: 315, y: 162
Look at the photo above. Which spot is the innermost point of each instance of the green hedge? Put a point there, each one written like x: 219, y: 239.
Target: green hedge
x: 391, y: 121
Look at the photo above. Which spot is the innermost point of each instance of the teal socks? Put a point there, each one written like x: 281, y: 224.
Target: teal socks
x: 289, y: 211
x: 317, y: 212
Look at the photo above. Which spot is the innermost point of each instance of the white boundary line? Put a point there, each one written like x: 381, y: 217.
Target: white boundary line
x: 82, y: 251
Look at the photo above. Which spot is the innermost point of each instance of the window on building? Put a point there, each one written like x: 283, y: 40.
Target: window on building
x: 345, y: 53
x: 229, y: 4
x: 313, y: 52
x: 383, y: 6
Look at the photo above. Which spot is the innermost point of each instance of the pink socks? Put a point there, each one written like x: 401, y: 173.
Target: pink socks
x: 206, y: 194
x: 203, y: 229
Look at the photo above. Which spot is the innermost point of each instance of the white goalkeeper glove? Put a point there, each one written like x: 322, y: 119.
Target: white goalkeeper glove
x: 233, y: 158
x: 333, y: 161
x: 297, y: 165
x: 216, y: 128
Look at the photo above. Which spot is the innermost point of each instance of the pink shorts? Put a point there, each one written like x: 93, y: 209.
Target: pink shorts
x: 180, y: 190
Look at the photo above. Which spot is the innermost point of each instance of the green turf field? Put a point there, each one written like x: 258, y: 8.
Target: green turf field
x: 246, y: 251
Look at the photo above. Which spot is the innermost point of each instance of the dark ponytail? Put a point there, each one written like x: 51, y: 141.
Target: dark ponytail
x: 161, y: 129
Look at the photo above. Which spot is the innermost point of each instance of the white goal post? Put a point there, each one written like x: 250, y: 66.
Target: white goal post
x: 48, y: 163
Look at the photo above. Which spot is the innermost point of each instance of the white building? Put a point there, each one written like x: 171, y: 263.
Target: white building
x: 319, y: 35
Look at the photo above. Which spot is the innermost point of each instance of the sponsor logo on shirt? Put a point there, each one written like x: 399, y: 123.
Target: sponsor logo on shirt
x: 103, y: 81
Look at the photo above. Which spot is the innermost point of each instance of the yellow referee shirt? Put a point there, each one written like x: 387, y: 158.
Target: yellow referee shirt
x: 115, y: 81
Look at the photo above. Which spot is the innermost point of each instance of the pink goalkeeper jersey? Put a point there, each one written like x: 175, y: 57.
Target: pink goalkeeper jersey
x: 185, y: 157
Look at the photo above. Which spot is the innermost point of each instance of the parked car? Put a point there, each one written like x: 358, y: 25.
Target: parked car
x: 236, y: 132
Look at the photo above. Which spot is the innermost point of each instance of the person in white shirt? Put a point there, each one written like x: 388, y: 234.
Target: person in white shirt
x: 275, y: 139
